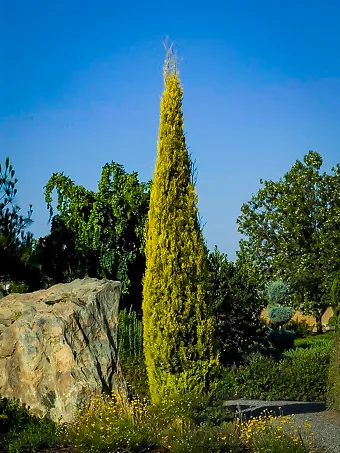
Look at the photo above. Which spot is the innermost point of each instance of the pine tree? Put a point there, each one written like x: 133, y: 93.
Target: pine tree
x: 178, y: 324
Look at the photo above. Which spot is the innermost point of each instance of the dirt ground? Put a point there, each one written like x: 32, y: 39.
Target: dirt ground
x: 331, y: 416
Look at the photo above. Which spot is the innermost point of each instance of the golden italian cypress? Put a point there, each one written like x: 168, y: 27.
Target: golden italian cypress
x: 178, y: 324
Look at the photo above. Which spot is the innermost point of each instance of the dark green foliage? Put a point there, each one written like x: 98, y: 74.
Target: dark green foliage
x: 59, y: 260
x: 130, y: 351
x: 318, y: 341
x: 37, y: 434
x: 332, y: 321
x: 282, y: 339
x: 26, y: 432
x: 130, y: 335
x: 16, y: 413
x: 335, y: 295
x: 192, y: 407
x: 237, y: 305
x: 277, y: 292
x: 333, y: 395
x: 100, y: 234
x: 134, y: 372
x: 301, y: 375
x: 279, y: 315
x: 301, y: 328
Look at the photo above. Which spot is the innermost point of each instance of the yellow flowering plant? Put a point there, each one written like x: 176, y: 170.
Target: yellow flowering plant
x: 107, y: 422
x: 271, y: 434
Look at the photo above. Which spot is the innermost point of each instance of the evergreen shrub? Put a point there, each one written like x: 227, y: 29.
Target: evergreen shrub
x: 300, y: 375
x: 277, y: 292
x: 333, y: 395
x: 282, y: 339
x: 178, y: 324
x: 279, y: 315
x: 301, y: 328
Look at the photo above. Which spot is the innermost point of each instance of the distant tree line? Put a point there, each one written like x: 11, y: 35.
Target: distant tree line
x: 290, y: 232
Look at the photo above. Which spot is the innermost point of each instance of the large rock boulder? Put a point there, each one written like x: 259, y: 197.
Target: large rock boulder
x: 59, y: 345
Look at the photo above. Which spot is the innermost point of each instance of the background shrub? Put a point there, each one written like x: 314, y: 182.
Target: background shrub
x: 130, y: 335
x: 38, y: 433
x: 130, y: 351
x: 134, y: 372
x: 27, y: 431
x: 282, y: 339
x: 279, y: 315
x: 300, y: 375
x: 237, y: 307
x: 332, y: 321
x: 333, y: 395
x: 277, y: 292
x: 16, y: 413
x: 301, y: 328
x: 313, y: 341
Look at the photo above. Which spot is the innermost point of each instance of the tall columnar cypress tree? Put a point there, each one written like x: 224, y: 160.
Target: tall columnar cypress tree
x: 178, y: 324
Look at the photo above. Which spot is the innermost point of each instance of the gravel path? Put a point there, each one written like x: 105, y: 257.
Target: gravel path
x: 327, y: 433
x: 325, y: 425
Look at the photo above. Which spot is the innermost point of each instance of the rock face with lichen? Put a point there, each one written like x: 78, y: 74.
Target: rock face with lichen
x: 59, y: 345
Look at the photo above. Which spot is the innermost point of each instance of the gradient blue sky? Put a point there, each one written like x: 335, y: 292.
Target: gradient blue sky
x: 81, y: 83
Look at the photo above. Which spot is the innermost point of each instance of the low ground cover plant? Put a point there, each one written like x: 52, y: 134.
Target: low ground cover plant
x: 24, y: 431
x: 37, y: 434
x: 268, y: 433
x: 183, y: 424
x: 315, y: 340
x: 112, y: 424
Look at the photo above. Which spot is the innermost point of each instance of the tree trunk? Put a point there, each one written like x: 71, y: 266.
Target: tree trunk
x: 318, y: 319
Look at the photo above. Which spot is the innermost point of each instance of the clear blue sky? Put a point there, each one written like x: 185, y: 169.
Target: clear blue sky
x: 81, y: 83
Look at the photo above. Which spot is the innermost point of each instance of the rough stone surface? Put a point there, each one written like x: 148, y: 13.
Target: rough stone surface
x: 59, y: 345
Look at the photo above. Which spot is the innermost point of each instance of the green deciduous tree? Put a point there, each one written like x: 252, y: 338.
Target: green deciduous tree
x: 237, y: 305
x: 178, y: 322
x: 292, y: 231
x: 107, y: 226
